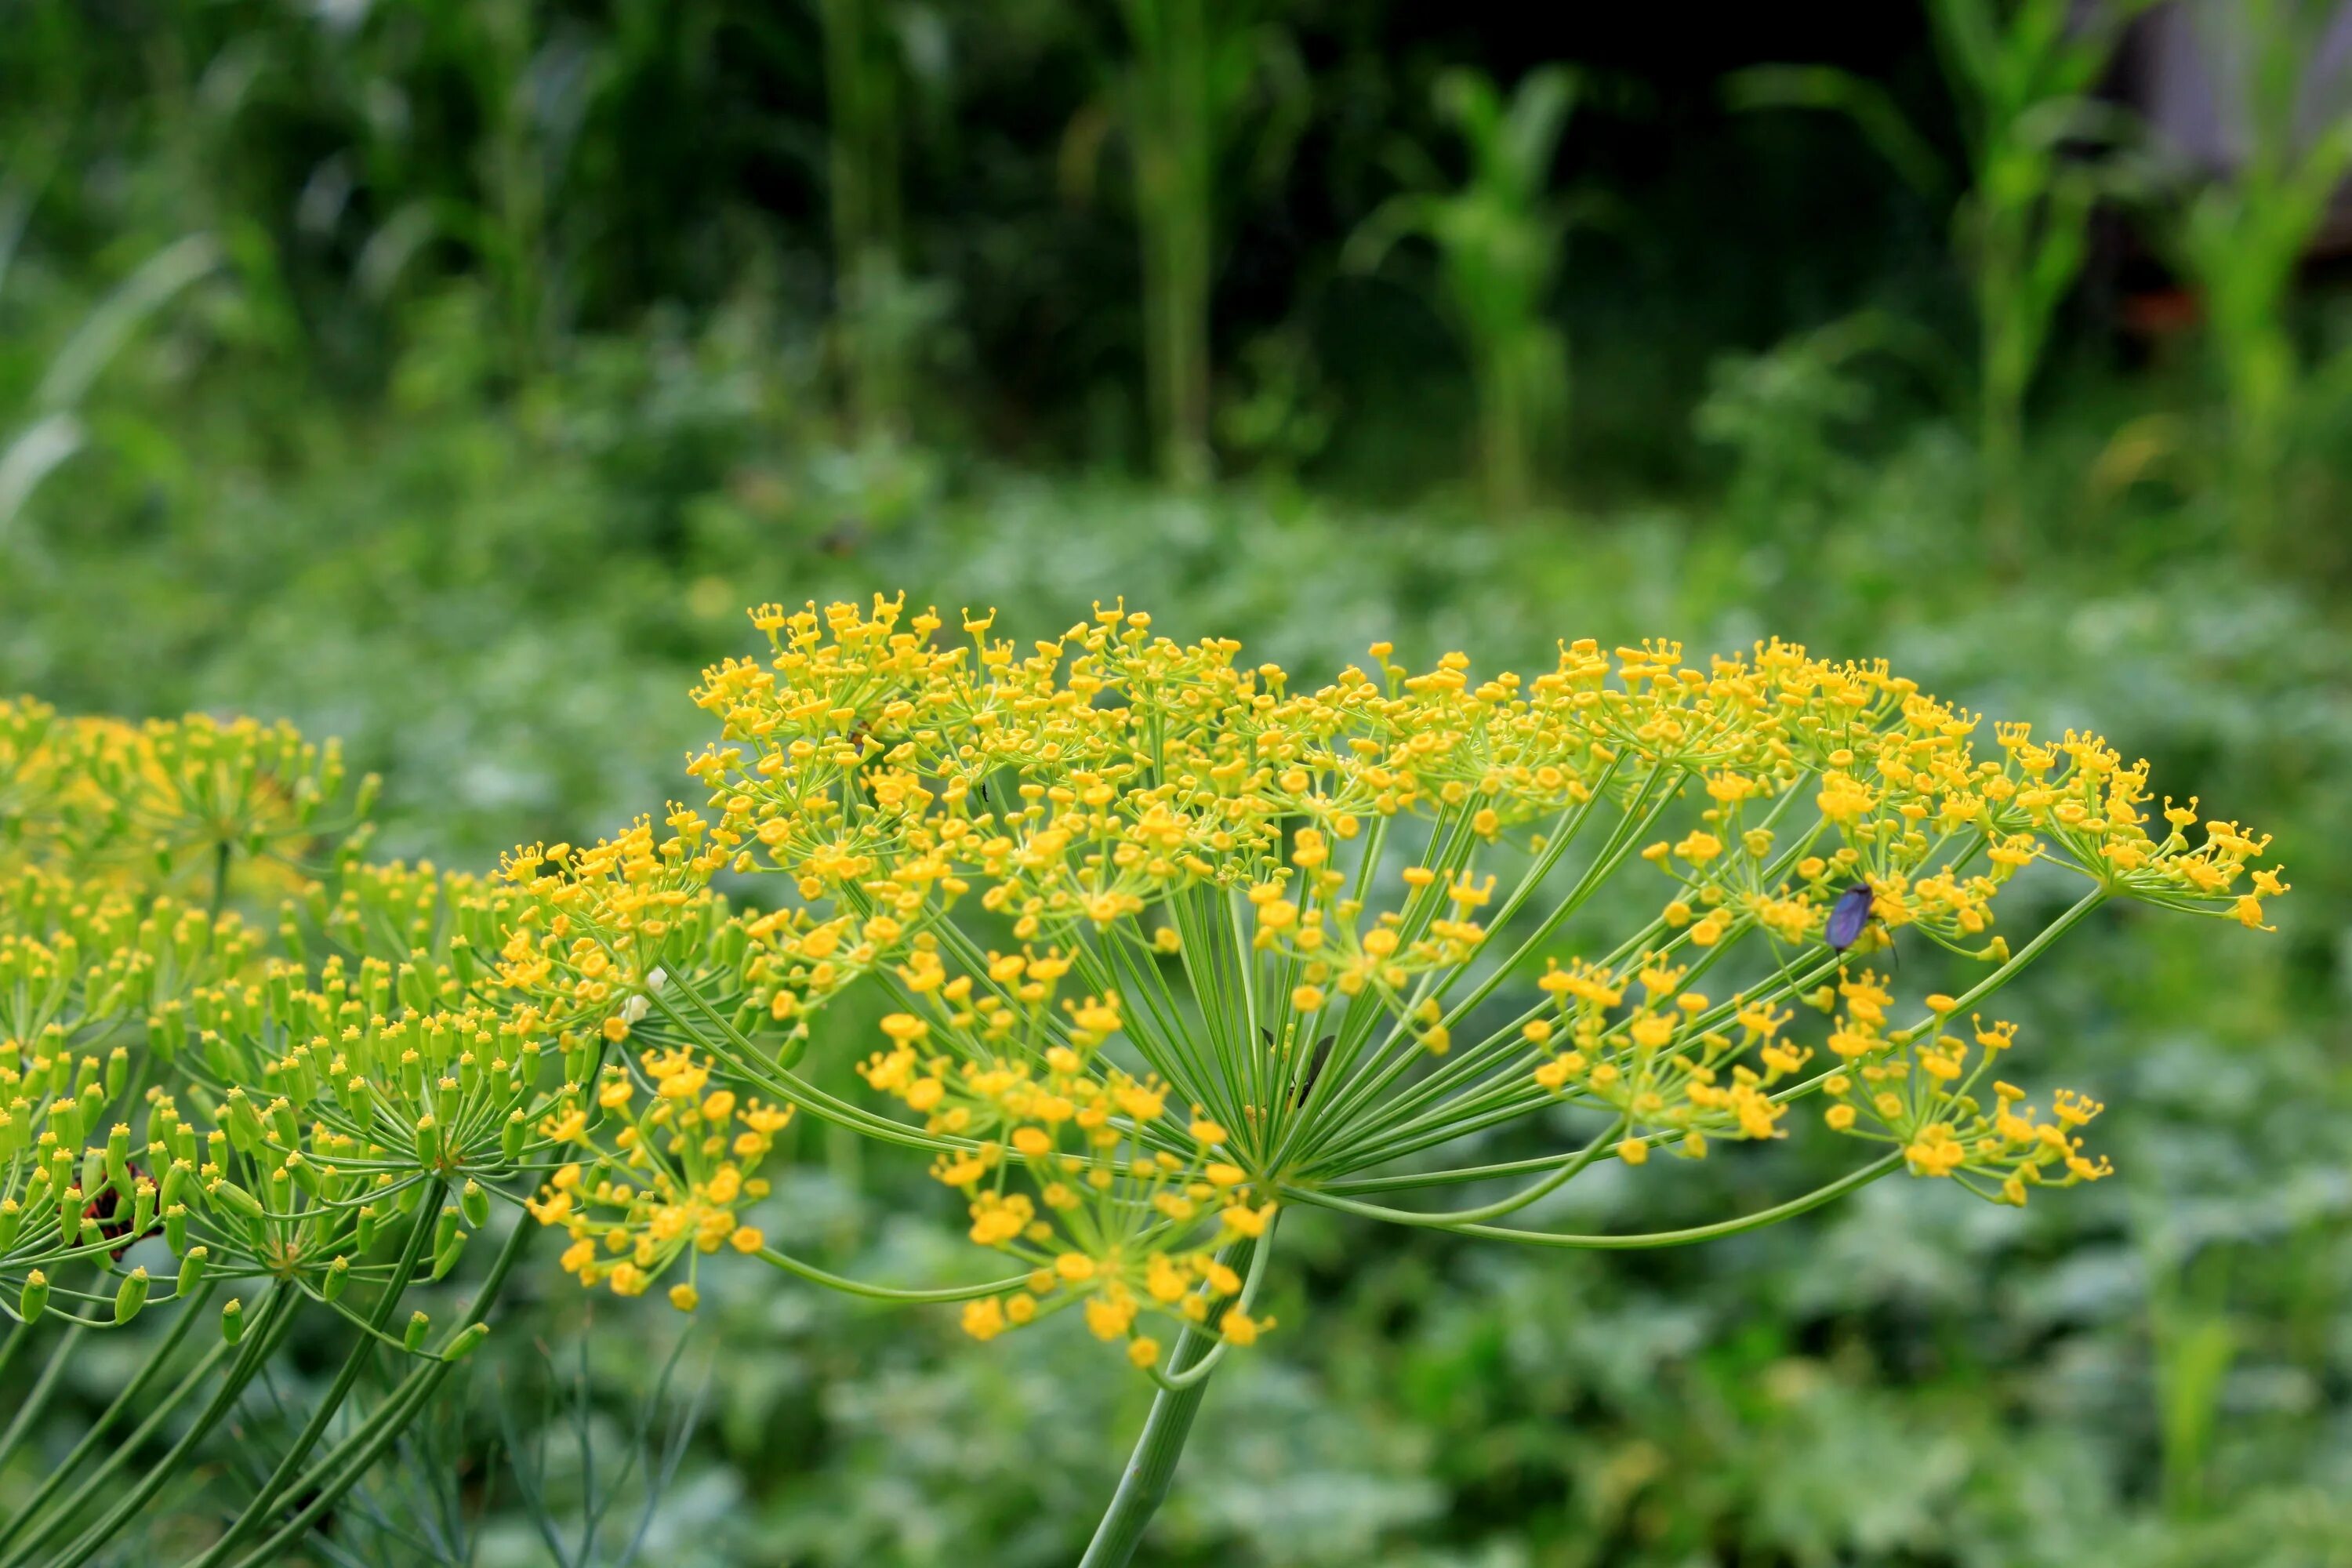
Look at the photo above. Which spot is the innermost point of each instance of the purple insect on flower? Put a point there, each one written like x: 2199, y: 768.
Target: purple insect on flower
x: 1848, y: 916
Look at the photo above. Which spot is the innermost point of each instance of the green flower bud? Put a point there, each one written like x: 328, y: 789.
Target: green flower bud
x: 511, y: 1136
x: 476, y: 1203
x: 175, y: 1180
x: 193, y: 1265
x: 419, y: 1325
x: 143, y: 1206
x: 34, y: 1299
x: 445, y: 1257
x: 12, y: 1219
x: 175, y: 1229
x: 471, y: 1335
x: 428, y: 1142
x: 339, y: 1274
x: 118, y: 1156
x: 363, y: 1227
x: 118, y: 1071
x: 233, y: 1320
x: 283, y: 1123
x: 131, y: 1295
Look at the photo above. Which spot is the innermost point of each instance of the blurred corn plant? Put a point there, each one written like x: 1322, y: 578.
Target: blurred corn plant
x: 880, y: 313
x: 2241, y: 237
x: 1501, y: 239
x: 2041, y: 153
x: 1198, y: 76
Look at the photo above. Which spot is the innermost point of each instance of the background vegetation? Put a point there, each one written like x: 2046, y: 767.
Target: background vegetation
x: 447, y: 375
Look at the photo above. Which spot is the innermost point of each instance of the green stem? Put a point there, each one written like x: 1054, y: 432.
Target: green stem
x: 1143, y: 1485
x: 131, y: 1395
x: 361, y: 1353
x: 1789, y: 1210
x: 815, y: 1275
x: 259, y: 1340
x: 326, y: 1482
x: 35, y: 1402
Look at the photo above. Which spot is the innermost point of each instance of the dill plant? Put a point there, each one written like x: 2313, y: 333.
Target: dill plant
x: 236, y: 1123
x: 1176, y: 945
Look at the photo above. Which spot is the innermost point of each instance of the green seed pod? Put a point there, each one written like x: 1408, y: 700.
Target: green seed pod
x: 471, y: 1335
x: 363, y: 1227
x: 117, y: 1071
x: 71, y: 1204
x: 411, y: 1075
x: 93, y: 1104
x: 361, y: 1104
x: 175, y: 1180
x: 193, y: 1265
x: 283, y: 1123
x: 162, y: 1037
x: 339, y: 1274
x: 444, y: 1258
x: 118, y: 1156
x: 443, y: 1227
x: 131, y: 1295
x: 235, y: 1199
x: 476, y: 1203
x: 419, y: 1325
x: 305, y: 1174
x: 34, y: 1299
x: 242, y: 1126
x: 143, y: 1206
x: 445, y: 1100
x: 175, y: 1229
x: 511, y: 1137
x: 428, y: 1142
x: 233, y: 1320
x: 93, y: 1172
x: 12, y: 1219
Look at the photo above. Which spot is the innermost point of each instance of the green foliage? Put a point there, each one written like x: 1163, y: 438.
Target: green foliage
x: 2242, y: 239
x: 1501, y: 239
x: 356, y: 475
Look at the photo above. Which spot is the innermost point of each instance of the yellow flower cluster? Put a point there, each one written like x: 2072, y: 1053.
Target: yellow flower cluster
x: 1120, y: 1205
x: 673, y: 1181
x: 1913, y: 1090
x: 168, y: 798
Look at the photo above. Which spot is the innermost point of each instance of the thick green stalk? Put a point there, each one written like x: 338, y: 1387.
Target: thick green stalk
x: 1143, y: 1485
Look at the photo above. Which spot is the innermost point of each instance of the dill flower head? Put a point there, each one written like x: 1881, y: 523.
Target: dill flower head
x: 1174, y: 942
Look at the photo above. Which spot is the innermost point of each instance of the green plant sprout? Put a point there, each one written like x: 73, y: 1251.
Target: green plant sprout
x: 1175, y: 945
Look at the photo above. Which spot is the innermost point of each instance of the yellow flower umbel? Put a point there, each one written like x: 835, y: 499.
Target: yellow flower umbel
x: 1174, y: 943
x: 667, y: 1185
x: 1073, y: 1166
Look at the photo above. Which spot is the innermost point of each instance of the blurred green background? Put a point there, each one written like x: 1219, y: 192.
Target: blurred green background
x: 448, y: 375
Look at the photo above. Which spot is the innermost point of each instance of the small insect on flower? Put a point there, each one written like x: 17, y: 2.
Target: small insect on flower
x: 1849, y: 917
x: 1314, y: 1069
